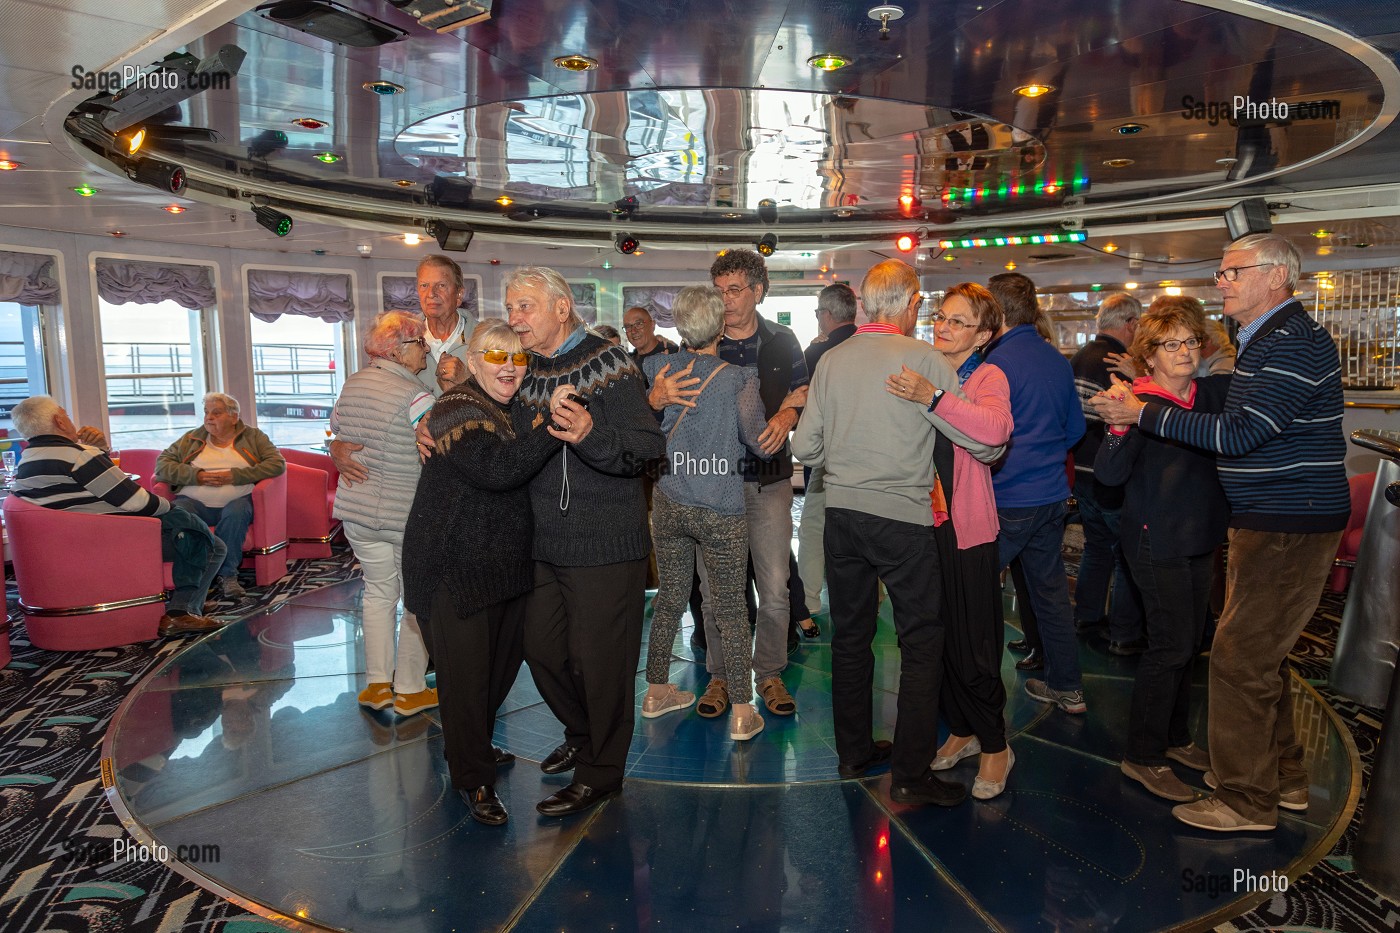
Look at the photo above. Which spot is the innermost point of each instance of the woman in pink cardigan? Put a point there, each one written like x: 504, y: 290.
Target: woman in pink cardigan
x: 972, y: 696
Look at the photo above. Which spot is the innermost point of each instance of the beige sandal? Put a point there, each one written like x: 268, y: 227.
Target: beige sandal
x: 776, y: 697
x: 715, y: 700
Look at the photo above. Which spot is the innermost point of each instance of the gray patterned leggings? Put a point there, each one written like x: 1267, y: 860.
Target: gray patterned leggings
x: 724, y: 543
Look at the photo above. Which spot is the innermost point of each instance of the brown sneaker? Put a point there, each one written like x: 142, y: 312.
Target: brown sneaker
x: 1211, y: 813
x: 188, y: 624
x: 1159, y: 780
x: 409, y: 704
x: 776, y: 697
x: 1296, y: 799
x: 1191, y: 755
x: 377, y: 696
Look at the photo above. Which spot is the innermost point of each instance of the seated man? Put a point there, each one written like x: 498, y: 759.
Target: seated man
x: 213, y: 469
x: 60, y: 472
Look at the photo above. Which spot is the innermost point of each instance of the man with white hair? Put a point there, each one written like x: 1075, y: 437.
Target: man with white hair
x: 59, y: 471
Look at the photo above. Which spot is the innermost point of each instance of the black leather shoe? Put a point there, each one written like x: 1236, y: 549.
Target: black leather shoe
x: 484, y: 805
x: 1126, y: 649
x: 929, y: 789
x: 573, y: 799
x: 1033, y: 661
x: 1020, y: 645
x: 501, y: 756
x: 559, y: 760
x: 1089, y: 627
x: 879, y: 755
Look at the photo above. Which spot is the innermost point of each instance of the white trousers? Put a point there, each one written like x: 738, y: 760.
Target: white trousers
x: 380, y: 554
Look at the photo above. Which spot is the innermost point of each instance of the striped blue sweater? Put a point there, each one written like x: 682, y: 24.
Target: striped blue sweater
x: 1279, y: 439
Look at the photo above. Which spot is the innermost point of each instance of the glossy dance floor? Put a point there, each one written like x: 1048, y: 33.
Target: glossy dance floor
x: 248, y: 757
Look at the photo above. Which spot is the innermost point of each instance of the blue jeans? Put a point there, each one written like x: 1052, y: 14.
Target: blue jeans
x: 1103, y: 563
x: 1035, y: 534
x: 230, y: 523
x: 197, y: 556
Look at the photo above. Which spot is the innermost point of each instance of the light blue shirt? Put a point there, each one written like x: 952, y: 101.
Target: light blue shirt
x: 1253, y: 327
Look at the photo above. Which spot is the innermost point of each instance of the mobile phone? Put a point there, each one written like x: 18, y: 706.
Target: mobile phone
x: 578, y: 400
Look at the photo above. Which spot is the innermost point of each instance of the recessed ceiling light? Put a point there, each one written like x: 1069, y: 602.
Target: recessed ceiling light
x: 1322, y: 234
x: 174, y: 209
x: 1324, y: 251
x: 1130, y: 285
x: 731, y: 215
x: 85, y: 191
x: 1226, y: 161
x: 309, y: 123
x: 576, y: 63
x: 383, y: 88
x: 948, y: 257
x: 405, y: 183
x: 1325, y: 284
x: 1110, y: 247
x: 330, y: 158
x: 1034, y: 90
x: 1117, y: 163
x: 9, y: 165
x: 1010, y: 265
x: 1174, y: 290
x: 845, y: 212
x: 411, y: 239
x: 1129, y: 129
x: 505, y: 200
x: 117, y: 233
x: 607, y: 263
x: 828, y: 61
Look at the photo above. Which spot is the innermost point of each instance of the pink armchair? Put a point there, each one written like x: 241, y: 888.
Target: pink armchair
x: 311, y: 483
x: 265, y: 546
x: 85, y: 581
x: 1350, y: 546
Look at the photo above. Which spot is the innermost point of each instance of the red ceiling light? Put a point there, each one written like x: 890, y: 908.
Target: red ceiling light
x: 908, y: 204
x: 9, y: 165
x: 174, y: 209
x: 906, y: 242
x: 309, y: 123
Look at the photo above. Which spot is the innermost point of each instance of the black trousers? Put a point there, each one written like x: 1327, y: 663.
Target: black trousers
x: 861, y: 550
x: 477, y: 658
x: 973, y: 696
x: 583, y: 639
x: 1176, y: 598
x: 1030, y: 629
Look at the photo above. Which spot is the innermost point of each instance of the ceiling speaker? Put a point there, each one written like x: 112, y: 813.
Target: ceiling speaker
x: 1246, y: 217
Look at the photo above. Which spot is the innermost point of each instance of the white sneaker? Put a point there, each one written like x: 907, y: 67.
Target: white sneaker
x: 668, y: 702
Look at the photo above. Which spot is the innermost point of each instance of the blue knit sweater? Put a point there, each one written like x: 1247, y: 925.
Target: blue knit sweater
x: 1279, y: 440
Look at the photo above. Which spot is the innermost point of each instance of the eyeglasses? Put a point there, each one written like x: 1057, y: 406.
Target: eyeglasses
x: 440, y: 288
x: 498, y: 357
x: 421, y: 341
x: 1231, y: 273
x: 635, y: 325
x: 734, y: 291
x: 1171, y: 346
x: 940, y: 318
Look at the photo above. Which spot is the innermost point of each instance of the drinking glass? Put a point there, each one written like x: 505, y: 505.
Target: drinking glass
x: 116, y: 457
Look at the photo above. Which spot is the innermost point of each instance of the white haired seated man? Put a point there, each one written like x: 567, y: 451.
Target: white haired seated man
x: 60, y: 471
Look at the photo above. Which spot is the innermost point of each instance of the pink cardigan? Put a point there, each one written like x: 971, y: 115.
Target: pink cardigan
x: 985, y: 416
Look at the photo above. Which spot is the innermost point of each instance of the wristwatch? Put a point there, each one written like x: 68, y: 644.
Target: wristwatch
x: 937, y: 394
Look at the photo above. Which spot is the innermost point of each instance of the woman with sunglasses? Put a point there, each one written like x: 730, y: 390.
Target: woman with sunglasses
x: 972, y: 698
x: 1174, y: 515
x: 379, y: 407
x: 467, y: 555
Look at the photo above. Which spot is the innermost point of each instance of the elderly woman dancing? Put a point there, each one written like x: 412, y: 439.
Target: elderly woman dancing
x: 699, y: 503
x: 972, y: 696
x: 379, y: 407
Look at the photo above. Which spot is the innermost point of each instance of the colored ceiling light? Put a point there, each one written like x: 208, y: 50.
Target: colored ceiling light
x: 1117, y: 163
x: 607, y: 264
x: 949, y: 257
x: 405, y: 183
x: 383, y: 88
x: 1010, y: 265
x: 505, y: 200
x: 576, y: 63
x: 828, y: 61
x: 309, y: 123
x: 85, y: 191
x: 908, y: 204
x: 1034, y: 90
x: 174, y: 209
x: 1174, y: 290
x: 411, y: 239
x: 1129, y: 129
x: 906, y: 242
x: 1026, y: 239
x: 117, y: 233
x: 330, y: 158
x: 767, y: 244
x: 134, y: 141
x: 1096, y: 287
x: 9, y: 165
x: 1322, y: 234
x: 1110, y: 247
x: 626, y: 244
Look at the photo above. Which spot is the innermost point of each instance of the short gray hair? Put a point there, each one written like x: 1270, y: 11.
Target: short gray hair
x: 389, y: 330
x: 544, y: 277
x: 699, y: 314
x: 443, y: 262
x: 35, y: 415
x: 228, y: 401
x: 1118, y: 309
x: 887, y: 288
x: 1274, y: 250
x: 838, y: 301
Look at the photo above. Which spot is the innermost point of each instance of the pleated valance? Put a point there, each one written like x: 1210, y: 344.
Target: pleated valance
x: 123, y: 281
x: 325, y: 295
x: 27, y: 278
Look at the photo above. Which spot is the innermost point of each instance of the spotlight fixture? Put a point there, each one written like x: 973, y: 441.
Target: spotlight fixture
x: 1034, y: 90
x: 576, y: 63
x: 906, y: 242
x: 1129, y: 129
x: 266, y: 143
x: 383, y: 88
x: 625, y: 207
x: 85, y: 191
x: 1025, y: 239
x: 828, y: 61
x: 330, y: 158
x: 134, y: 140
x: 626, y: 244
x: 909, y: 204
x: 167, y: 176
x: 768, y: 244
x: 444, y: 191
x: 10, y: 165
x: 274, y: 220
x: 174, y: 209
x: 451, y: 237
x: 768, y: 211
x: 1248, y: 216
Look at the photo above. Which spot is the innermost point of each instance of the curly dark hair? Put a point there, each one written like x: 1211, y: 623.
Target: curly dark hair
x: 1164, y: 315
x: 746, y: 261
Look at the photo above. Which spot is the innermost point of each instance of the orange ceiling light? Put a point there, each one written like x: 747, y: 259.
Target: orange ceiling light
x: 1034, y: 90
x: 174, y: 209
x: 10, y: 165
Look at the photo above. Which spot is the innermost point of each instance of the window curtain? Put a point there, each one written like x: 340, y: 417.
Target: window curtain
x: 273, y: 293
x: 656, y: 299
x: 123, y: 281
x: 27, y: 278
x: 586, y: 302
x: 400, y: 293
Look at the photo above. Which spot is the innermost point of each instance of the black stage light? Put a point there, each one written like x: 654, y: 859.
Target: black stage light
x: 626, y: 244
x: 443, y: 191
x: 266, y: 143
x: 768, y: 211
x: 274, y: 220
x: 1246, y: 217
x: 768, y: 244
x: 167, y: 176
x: 451, y: 237
x: 625, y: 207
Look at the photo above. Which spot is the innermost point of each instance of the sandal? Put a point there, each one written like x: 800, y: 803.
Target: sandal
x: 715, y: 699
x: 776, y: 697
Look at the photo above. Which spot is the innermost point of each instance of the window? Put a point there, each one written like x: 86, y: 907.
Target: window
x: 298, y: 369
x: 155, y: 371
x: 22, y: 369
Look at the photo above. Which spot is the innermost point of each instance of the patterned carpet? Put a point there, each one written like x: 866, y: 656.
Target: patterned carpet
x: 56, y: 831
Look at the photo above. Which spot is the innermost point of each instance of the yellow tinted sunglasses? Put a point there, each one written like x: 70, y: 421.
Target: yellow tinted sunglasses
x: 497, y: 357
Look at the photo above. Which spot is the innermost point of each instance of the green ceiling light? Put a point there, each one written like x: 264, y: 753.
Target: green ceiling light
x: 828, y: 61
x: 330, y: 158
x: 85, y: 191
